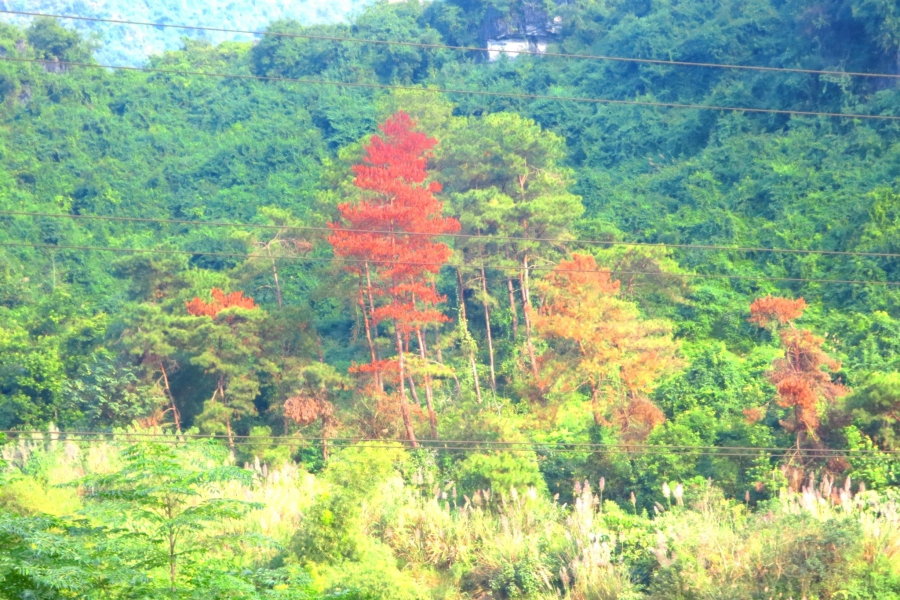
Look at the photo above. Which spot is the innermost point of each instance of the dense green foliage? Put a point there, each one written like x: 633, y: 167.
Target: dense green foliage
x: 381, y: 524
x: 131, y: 45
x: 99, y: 340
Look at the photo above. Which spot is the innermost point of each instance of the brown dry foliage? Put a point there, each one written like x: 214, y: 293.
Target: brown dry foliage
x: 637, y: 418
x: 803, y: 377
x: 305, y: 410
x: 802, y: 380
x: 754, y: 414
x: 200, y: 308
x: 378, y: 413
x: 599, y: 342
x: 774, y: 310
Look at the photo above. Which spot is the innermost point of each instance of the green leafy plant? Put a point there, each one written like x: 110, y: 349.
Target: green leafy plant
x: 164, y: 508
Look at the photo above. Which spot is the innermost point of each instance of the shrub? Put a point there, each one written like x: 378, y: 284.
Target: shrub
x: 814, y: 544
x: 500, y: 472
x: 334, y: 527
x: 373, y: 576
x: 28, y: 496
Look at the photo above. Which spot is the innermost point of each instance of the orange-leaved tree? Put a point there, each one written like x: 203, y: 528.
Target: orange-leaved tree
x: 772, y: 311
x: 598, y: 341
x: 803, y: 376
x: 390, y: 232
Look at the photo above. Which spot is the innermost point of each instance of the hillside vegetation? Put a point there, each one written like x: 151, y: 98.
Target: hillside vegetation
x: 132, y: 45
x: 512, y: 347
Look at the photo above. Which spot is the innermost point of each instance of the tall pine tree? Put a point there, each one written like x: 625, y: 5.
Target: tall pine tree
x: 390, y: 231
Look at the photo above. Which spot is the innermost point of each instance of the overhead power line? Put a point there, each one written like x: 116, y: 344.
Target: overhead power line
x: 454, y: 441
x: 451, y: 448
x: 445, y: 445
x: 295, y: 438
x: 485, y: 93
x: 427, y: 264
x: 488, y: 237
x: 426, y: 46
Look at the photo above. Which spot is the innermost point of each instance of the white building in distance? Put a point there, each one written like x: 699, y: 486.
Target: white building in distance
x: 511, y: 48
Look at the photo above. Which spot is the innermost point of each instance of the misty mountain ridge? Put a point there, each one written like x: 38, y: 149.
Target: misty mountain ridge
x: 132, y: 44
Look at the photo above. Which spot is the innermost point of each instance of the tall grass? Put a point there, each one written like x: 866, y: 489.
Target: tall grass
x: 395, y: 536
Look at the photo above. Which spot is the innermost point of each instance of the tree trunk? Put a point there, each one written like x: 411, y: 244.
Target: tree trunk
x: 377, y: 373
x: 429, y: 395
x: 440, y: 357
x: 230, y: 434
x: 526, y: 302
x: 372, y: 331
x: 462, y: 295
x: 175, y: 414
x: 275, y: 275
x: 475, y: 376
x: 371, y: 306
x: 412, y: 388
x: 595, y: 406
x: 462, y: 316
x: 369, y: 292
x: 324, y: 440
x: 437, y: 346
x: 173, y: 569
x: 404, y: 407
x: 220, y: 392
x: 512, y: 308
x: 487, y: 323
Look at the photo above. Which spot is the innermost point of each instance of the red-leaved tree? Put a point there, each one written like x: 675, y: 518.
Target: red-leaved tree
x: 803, y: 376
x: 390, y: 231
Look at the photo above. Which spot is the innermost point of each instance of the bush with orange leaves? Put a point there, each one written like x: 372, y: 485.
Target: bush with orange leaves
x: 200, y: 308
x: 598, y: 341
x: 803, y: 377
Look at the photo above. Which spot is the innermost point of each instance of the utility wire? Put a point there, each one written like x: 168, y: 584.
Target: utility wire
x: 222, y: 436
x: 426, y: 264
x: 618, y: 452
x: 489, y: 237
x: 446, y: 448
x: 412, y: 88
x: 455, y: 442
x: 331, y: 38
x: 456, y: 445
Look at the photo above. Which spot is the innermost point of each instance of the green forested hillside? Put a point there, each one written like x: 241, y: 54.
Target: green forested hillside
x: 131, y: 45
x: 749, y: 384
